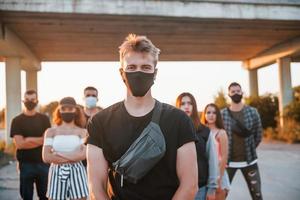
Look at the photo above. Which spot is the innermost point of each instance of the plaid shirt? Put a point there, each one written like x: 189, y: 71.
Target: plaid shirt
x: 252, y: 122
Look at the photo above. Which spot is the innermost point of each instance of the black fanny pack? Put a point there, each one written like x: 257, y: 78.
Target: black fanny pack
x: 144, y: 152
x: 238, y: 128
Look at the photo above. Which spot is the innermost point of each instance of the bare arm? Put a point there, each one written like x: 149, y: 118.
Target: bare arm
x: 224, y: 151
x: 28, y: 142
x: 187, y: 172
x: 48, y: 155
x: 97, y: 168
x: 258, y: 130
x: 51, y: 157
x: 75, y: 156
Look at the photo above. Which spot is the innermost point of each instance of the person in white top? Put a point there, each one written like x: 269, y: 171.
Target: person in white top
x: 64, y: 148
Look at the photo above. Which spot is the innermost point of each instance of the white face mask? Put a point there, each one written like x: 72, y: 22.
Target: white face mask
x: 91, y: 102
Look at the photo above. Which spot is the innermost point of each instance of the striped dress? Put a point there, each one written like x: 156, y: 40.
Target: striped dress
x: 67, y: 181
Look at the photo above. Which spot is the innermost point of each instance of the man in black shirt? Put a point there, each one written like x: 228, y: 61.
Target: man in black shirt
x: 27, y: 130
x: 114, y: 129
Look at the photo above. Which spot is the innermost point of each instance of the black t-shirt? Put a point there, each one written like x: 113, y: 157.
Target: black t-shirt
x: 114, y: 129
x: 30, y: 126
x: 202, y: 136
x: 238, y: 149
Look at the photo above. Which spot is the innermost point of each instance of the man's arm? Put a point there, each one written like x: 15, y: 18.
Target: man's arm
x: 97, y: 168
x: 187, y: 172
x: 28, y: 142
x: 257, y: 128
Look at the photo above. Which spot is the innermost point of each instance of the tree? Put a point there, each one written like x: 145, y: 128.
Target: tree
x: 220, y: 99
x: 292, y: 110
x: 49, y: 109
x: 267, y: 107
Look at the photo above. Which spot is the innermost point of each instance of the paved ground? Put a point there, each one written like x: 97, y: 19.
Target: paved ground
x: 279, y: 164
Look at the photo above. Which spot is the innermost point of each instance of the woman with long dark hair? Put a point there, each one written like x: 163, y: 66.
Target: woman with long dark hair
x: 211, y: 117
x: 206, y: 152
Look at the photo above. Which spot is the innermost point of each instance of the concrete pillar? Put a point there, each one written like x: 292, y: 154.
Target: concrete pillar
x: 285, y: 86
x: 31, y: 80
x: 253, y: 83
x: 13, y: 92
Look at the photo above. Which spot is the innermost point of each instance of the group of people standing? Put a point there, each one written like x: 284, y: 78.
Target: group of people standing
x: 53, y: 158
x: 198, y: 158
x: 223, y: 147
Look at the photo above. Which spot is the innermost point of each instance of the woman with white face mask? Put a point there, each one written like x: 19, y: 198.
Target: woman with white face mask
x: 64, y: 148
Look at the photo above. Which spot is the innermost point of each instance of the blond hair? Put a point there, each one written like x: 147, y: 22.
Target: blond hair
x: 138, y: 43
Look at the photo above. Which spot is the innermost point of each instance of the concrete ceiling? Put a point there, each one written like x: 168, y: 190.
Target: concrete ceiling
x: 96, y: 37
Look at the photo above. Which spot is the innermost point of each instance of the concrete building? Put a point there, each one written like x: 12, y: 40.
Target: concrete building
x: 257, y: 32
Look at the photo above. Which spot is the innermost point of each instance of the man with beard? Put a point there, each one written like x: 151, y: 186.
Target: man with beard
x: 27, y: 131
x: 114, y: 129
x: 244, y: 129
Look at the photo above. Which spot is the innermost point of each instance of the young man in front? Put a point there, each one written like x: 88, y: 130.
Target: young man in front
x: 114, y: 129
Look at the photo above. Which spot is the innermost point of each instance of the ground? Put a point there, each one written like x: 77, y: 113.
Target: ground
x: 279, y: 165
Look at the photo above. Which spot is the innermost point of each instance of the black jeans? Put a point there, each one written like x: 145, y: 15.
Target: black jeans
x: 252, y: 177
x: 31, y: 173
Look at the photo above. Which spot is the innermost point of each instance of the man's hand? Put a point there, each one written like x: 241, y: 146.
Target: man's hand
x: 28, y: 142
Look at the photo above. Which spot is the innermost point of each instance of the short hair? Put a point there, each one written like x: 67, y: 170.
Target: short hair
x: 90, y: 88
x: 30, y: 92
x: 138, y: 43
x: 234, y: 84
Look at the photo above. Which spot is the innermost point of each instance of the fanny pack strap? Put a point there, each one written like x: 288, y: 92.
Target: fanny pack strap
x: 237, y: 121
x: 231, y: 115
x: 156, y: 112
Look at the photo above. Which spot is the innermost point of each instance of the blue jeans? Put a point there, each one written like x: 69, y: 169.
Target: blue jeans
x: 201, y: 194
x: 31, y: 173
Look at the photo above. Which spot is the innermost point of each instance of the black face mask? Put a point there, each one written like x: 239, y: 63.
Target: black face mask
x: 139, y: 82
x: 30, y: 105
x: 236, y: 98
x: 68, y: 116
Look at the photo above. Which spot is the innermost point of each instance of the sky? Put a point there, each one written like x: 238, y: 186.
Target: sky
x: 203, y: 79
